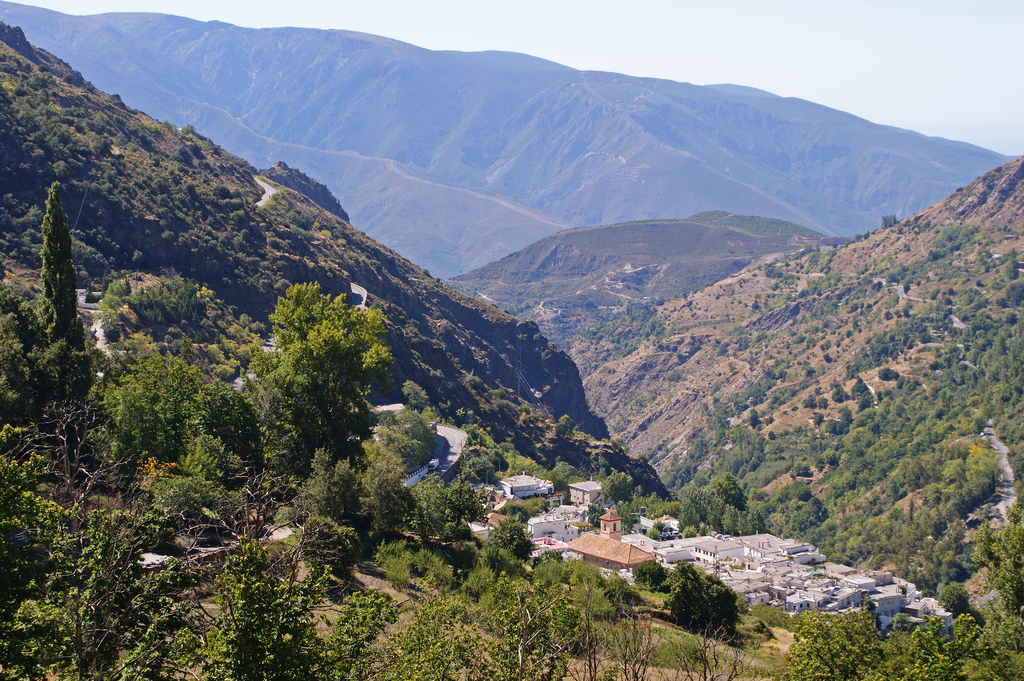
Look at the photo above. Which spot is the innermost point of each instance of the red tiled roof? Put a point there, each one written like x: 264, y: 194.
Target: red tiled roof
x: 602, y: 548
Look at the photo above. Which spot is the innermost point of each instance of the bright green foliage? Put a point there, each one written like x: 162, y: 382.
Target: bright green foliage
x: 440, y: 644
x: 728, y: 490
x: 266, y: 631
x: 698, y: 600
x: 225, y: 414
x: 408, y: 434
x: 362, y: 618
x: 415, y: 396
x: 954, y: 597
x: 58, y: 307
x: 511, y: 536
x: 16, y: 398
x: 936, y: 657
x: 328, y: 355
x: 18, y: 509
x: 332, y: 489
x: 444, y: 512
x: 564, y: 427
x: 650, y: 574
x: 834, y: 648
x: 153, y: 410
x: 103, y: 616
x: 534, y: 629
x: 386, y: 499
x: 618, y: 486
x: 1002, y: 552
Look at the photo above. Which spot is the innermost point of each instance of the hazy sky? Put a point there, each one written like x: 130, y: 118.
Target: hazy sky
x: 940, y: 67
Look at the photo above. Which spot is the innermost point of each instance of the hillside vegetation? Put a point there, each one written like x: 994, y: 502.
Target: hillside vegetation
x: 457, y: 159
x: 845, y: 389
x: 574, y: 280
x: 168, y: 234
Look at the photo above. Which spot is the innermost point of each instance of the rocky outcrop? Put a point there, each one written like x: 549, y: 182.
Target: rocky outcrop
x: 298, y: 181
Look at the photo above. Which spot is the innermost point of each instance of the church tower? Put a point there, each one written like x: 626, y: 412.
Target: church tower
x: 611, y: 525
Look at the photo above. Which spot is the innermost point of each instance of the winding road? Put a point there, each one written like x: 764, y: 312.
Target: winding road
x: 268, y: 192
x: 1008, y: 497
x: 358, y: 297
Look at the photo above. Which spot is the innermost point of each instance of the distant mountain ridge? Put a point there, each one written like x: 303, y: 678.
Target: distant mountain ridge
x: 457, y: 159
x: 570, y: 281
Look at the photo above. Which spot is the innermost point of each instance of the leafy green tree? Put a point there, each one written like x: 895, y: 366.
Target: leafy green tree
x: 834, y: 647
x: 58, y: 306
x: 441, y: 643
x: 726, y: 488
x: 226, y: 414
x: 954, y: 597
x: 103, y: 616
x: 415, y: 396
x: 618, y: 486
x: 266, y: 630
x: 428, y: 513
x: 362, y: 618
x: 328, y: 356
x: 153, y: 410
x: 332, y: 489
x: 698, y: 600
x: 565, y: 427
x: 408, y: 434
x: 535, y: 630
x: 936, y: 656
x: 511, y: 535
x: 19, y: 508
x: 386, y: 499
x: 21, y: 343
x: 650, y: 574
x: 463, y: 505
x: 1002, y: 552
x: 902, y: 623
x: 594, y: 513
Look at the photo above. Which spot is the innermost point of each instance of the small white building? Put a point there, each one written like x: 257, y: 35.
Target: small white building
x: 554, y: 526
x: 525, y: 486
x: 584, y: 493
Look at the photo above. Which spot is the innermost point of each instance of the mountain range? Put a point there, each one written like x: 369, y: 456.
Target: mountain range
x: 457, y: 159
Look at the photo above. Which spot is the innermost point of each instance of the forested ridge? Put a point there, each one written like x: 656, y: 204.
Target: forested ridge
x: 846, y: 390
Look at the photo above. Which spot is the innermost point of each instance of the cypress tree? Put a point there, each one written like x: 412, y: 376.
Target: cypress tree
x: 58, y: 309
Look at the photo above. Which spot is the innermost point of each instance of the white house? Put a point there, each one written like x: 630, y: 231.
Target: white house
x: 584, y: 493
x: 554, y: 526
x: 524, y: 486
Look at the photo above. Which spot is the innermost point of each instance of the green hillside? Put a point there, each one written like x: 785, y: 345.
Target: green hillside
x: 845, y: 390
x: 576, y: 279
x: 752, y: 224
x: 168, y: 234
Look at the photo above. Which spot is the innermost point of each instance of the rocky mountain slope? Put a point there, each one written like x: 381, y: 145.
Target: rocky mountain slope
x: 458, y: 159
x: 171, y: 221
x: 574, y: 280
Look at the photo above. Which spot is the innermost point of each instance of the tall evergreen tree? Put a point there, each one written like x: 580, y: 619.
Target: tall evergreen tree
x: 58, y: 309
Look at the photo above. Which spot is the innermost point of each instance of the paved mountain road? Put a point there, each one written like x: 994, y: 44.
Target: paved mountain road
x: 1008, y: 497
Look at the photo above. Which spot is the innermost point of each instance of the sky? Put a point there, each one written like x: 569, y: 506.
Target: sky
x: 940, y: 67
